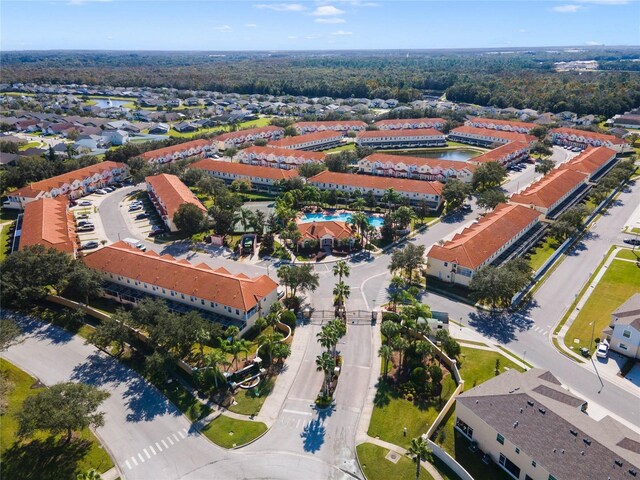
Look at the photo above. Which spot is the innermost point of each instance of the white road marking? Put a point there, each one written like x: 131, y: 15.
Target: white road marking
x: 127, y: 464
x: 176, y: 437
x: 141, y: 457
x: 165, y: 444
x: 170, y: 441
x: 158, y: 446
x: 134, y: 461
x: 545, y: 332
x: 146, y: 453
x: 298, y: 412
x: 152, y: 450
x: 185, y: 431
x: 182, y: 435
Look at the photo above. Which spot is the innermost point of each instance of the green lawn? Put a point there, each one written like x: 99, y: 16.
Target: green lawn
x: 29, y: 145
x: 620, y: 281
x: 260, y: 122
x: 391, y: 413
x: 478, y: 366
x: 249, y: 402
x: 629, y: 254
x: 229, y: 432
x: 541, y: 252
x: 42, y: 457
x: 376, y: 467
x: 342, y: 148
x: 5, y: 241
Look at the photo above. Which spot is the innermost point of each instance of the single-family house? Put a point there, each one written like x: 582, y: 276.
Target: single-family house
x: 623, y: 332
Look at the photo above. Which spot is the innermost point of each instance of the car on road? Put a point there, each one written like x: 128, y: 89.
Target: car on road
x: 85, y: 203
x: 135, y: 208
x: 89, y: 245
x: 142, y: 216
x: 631, y: 241
x: 603, y: 349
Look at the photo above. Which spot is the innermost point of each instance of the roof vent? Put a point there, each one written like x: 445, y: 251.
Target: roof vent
x: 515, y: 424
x: 521, y: 410
x: 555, y: 450
x: 574, y: 432
x: 582, y: 453
x: 530, y: 403
x: 618, y: 463
x: 633, y: 472
x: 477, y: 401
x: 562, y: 451
x: 542, y: 411
x: 587, y: 441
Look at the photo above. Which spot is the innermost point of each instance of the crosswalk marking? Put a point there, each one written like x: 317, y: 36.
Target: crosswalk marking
x: 176, y: 437
x: 128, y: 464
x: 152, y: 450
x: 158, y: 446
x: 170, y: 441
x: 182, y: 435
x: 165, y: 444
x: 141, y: 457
x: 134, y: 461
x: 146, y: 453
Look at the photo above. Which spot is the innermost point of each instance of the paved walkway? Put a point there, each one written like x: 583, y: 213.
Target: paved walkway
x: 401, y: 451
x: 374, y: 374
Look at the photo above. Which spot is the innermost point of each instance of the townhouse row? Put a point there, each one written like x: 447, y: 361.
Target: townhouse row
x: 321, y: 140
x: 584, y: 138
x: 409, y: 138
x: 168, y: 193
x: 486, y: 137
x: 418, y: 168
x: 411, y: 123
x: 276, y: 157
x: 505, y: 125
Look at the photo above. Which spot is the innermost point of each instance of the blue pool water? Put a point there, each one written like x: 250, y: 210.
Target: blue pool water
x: 338, y: 217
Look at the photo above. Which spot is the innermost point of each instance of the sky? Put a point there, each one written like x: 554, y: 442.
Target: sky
x: 314, y: 25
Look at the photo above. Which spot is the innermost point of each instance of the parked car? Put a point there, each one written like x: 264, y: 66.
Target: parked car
x: 89, y: 245
x: 85, y: 203
x: 632, y: 241
x: 466, y: 207
x: 142, y: 216
x: 85, y: 223
x: 156, y: 232
x: 603, y: 349
x: 134, y: 208
x: 82, y: 216
x: 86, y: 228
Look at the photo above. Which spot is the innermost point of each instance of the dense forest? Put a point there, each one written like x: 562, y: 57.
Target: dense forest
x: 518, y: 78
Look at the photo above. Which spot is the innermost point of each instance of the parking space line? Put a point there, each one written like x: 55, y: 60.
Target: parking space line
x: 146, y: 453
x: 185, y: 431
x: 126, y: 462
x: 176, y: 437
x: 182, y: 435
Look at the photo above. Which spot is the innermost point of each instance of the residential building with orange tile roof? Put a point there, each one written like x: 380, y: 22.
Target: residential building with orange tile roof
x: 72, y: 184
x: 336, y: 126
x: 167, y: 192
x: 457, y: 260
x: 249, y: 135
x: 496, y: 124
x: 593, y: 161
x: 49, y: 222
x: 408, y: 138
x: 583, y: 138
x: 276, y: 157
x: 416, y: 191
x: 410, y: 123
x: 548, y: 193
x: 260, y: 177
x: 486, y: 137
x: 418, y: 168
x: 237, y: 297
x: 321, y: 140
x: 195, y: 148
x: 328, y: 234
x: 508, y: 154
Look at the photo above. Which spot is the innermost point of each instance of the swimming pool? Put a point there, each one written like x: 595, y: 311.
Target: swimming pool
x: 339, y: 217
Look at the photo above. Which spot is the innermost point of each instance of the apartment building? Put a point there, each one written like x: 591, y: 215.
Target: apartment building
x: 593, y: 162
x: 321, y: 140
x: 508, y: 154
x: 48, y: 222
x: 240, y: 137
x: 411, y: 123
x: 411, y: 138
x: 342, y: 126
x: 419, y: 168
x: 548, y: 193
x: 276, y: 157
x: 506, y: 125
x: 196, y: 148
x: 167, y: 193
x: 264, y: 178
x: 584, y: 138
x: 486, y: 137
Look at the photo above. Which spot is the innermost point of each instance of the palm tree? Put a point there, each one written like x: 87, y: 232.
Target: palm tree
x: 234, y: 349
x: 270, y: 340
x: 342, y: 291
x: 423, y: 349
x: 338, y: 326
x: 419, y: 450
x: 359, y: 223
x: 90, y: 474
x: 400, y: 345
x: 327, y: 338
x: 391, y: 197
x: 385, y: 353
x: 214, y: 360
x: 395, y: 297
x: 341, y: 269
x: 390, y: 330
x: 232, y: 332
x: 326, y: 364
x: 244, y: 216
x: 245, y: 345
x: 225, y: 348
x: 281, y: 351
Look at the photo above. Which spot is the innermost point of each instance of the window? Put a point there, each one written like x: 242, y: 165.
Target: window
x: 551, y: 477
x: 509, y: 466
x: 533, y: 463
x: 517, y: 450
x: 623, y: 346
x: 626, y: 334
x: 466, y: 429
x: 182, y: 295
x: 500, y: 439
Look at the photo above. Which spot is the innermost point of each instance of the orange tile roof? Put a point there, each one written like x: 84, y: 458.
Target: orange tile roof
x: 48, y: 222
x: 420, y: 161
x: 49, y: 184
x: 381, y: 183
x: 488, y: 132
x: 590, y: 160
x: 499, y: 153
x: 181, y: 276
x: 304, y: 138
x: 330, y: 124
x: 398, y: 121
x: 182, y: 147
x: 287, y: 152
x: 588, y: 134
x: 477, y: 243
x: 173, y: 193
x: 549, y: 189
x: 407, y: 132
x: 244, y: 169
x: 317, y: 230
x: 514, y: 123
x: 249, y: 131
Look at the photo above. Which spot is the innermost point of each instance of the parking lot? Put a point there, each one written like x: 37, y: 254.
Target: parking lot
x: 140, y: 215
x: 86, y: 215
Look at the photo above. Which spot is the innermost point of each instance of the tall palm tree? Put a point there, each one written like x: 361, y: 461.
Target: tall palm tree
x: 338, y: 326
x: 325, y: 363
x: 245, y: 345
x: 400, y: 345
x: 327, y: 338
x: 214, y: 360
x: 269, y: 340
x: 244, y: 216
x: 341, y: 269
x: 385, y: 353
x: 235, y: 349
x: 342, y: 291
x: 390, y: 330
x: 419, y: 450
x: 391, y: 197
x: 225, y: 348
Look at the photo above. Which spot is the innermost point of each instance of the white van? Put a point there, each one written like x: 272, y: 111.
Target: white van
x: 135, y: 243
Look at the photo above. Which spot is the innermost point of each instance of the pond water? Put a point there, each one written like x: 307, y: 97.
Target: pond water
x: 107, y: 102
x: 374, y: 220
x: 459, y: 155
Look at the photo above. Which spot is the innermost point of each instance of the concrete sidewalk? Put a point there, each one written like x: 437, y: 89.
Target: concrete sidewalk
x: 401, y: 451
x: 374, y: 375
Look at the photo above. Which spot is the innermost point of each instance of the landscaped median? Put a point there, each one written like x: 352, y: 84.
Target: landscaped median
x: 232, y: 433
x: 379, y: 463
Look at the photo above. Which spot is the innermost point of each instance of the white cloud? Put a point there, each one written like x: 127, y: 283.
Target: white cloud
x: 281, y: 7
x: 250, y: 25
x: 606, y: 2
x: 223, y: 29
x: 523, y: 30
x: 340, y: 33
x: 567, y: 8
x: 83, y: 2
x: 330, y: 20
x: 292, y: 37
x: 327, y: 11
x: 593, y: 42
